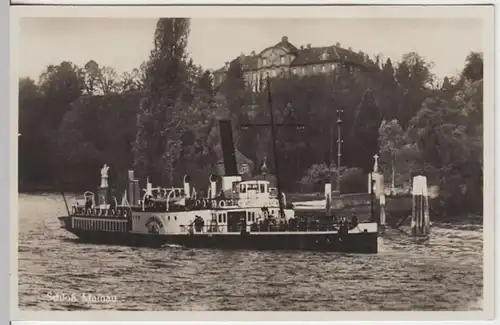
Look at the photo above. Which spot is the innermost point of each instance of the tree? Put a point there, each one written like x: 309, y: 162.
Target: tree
x: 108, y: 80
x: 92, y: 74
x: 206, y: 82
x: 60, y: 85
x: 130, y: 81
x: 158, y: 143
x: 366, y: 129
x: 473, y: 70
x: 391, y: 141
x: 414, y: 77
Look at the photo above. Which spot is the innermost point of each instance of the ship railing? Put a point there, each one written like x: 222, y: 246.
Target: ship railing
x: 192, y: 229
x: 118, y: 211
x: 284, y: 227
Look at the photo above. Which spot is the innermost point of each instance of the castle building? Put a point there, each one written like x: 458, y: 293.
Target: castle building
x: 284, y: 58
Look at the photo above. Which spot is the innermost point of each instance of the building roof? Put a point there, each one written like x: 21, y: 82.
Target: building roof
x: 318, y: 55
x: 306, y: 56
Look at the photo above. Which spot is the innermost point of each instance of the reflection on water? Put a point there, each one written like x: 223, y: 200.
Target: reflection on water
x: 443, y: 273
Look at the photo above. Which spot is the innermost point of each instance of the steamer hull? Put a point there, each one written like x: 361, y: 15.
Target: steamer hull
x: 326, y: 241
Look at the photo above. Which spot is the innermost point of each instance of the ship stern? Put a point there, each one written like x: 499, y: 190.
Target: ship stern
x: 64, y: 222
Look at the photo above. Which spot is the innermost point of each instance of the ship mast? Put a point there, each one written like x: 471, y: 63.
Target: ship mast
x: 273, y: 126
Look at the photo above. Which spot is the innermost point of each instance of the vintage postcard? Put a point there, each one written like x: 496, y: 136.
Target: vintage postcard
x: 214, y: 163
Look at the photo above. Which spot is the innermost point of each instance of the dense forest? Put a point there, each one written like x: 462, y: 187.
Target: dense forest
x: 161, y: 119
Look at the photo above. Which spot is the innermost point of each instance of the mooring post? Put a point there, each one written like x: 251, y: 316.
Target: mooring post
x: 328, y: 199
x: 376, y: 181
x: 420, y: 220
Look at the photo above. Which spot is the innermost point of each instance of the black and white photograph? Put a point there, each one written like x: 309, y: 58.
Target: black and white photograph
x: 232, y: 163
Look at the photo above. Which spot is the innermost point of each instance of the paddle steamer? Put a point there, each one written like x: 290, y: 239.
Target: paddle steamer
x: 235, y: 214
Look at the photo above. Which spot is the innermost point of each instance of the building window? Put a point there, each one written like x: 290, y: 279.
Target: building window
x: 314, y: 69
x: 283, y: 60
x: 323, y: 68
x: 264, y: 62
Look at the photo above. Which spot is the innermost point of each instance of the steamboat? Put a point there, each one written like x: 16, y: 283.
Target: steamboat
x: 235, y: 214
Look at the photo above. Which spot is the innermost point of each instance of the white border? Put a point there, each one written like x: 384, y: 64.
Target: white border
x: 262, y: 12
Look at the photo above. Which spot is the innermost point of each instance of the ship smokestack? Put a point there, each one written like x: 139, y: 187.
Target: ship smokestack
x: 231, y: 174
x: 187, y: 189
x: 133, y: 189
x: 227, y: 145
x: 213, y: 186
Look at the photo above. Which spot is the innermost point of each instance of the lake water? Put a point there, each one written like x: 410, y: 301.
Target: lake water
x: 444, y: 273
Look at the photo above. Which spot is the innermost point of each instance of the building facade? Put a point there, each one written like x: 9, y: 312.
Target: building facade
x: 285, y: 59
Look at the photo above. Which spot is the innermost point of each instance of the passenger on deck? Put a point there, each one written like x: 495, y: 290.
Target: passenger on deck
x: 354, y: 221
x: 283, y: 225
x: 88, y: 203
x: 302, y: 224
x: 292, y: 224
x: 254, y: 227
x: 199, y: 224
x: 112, y: 205
x: 265, y: 225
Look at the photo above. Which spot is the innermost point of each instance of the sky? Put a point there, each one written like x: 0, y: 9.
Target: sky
x: 124, y: 43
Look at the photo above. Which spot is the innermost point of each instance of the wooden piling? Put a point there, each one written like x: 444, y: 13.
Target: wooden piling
x: 420, y: 220
x: 328, y: 199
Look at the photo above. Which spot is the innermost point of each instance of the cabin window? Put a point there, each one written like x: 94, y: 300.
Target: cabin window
x: 220, y: 218
x: 168, y: 218
x: 262, y: 188
x: 243, y: 189
x: 249, y: 216
x: 225, y: 217
x: 253, y: 216
x: 175, y: 218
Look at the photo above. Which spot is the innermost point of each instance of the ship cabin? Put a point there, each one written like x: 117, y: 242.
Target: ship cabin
x: 255, y: 193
